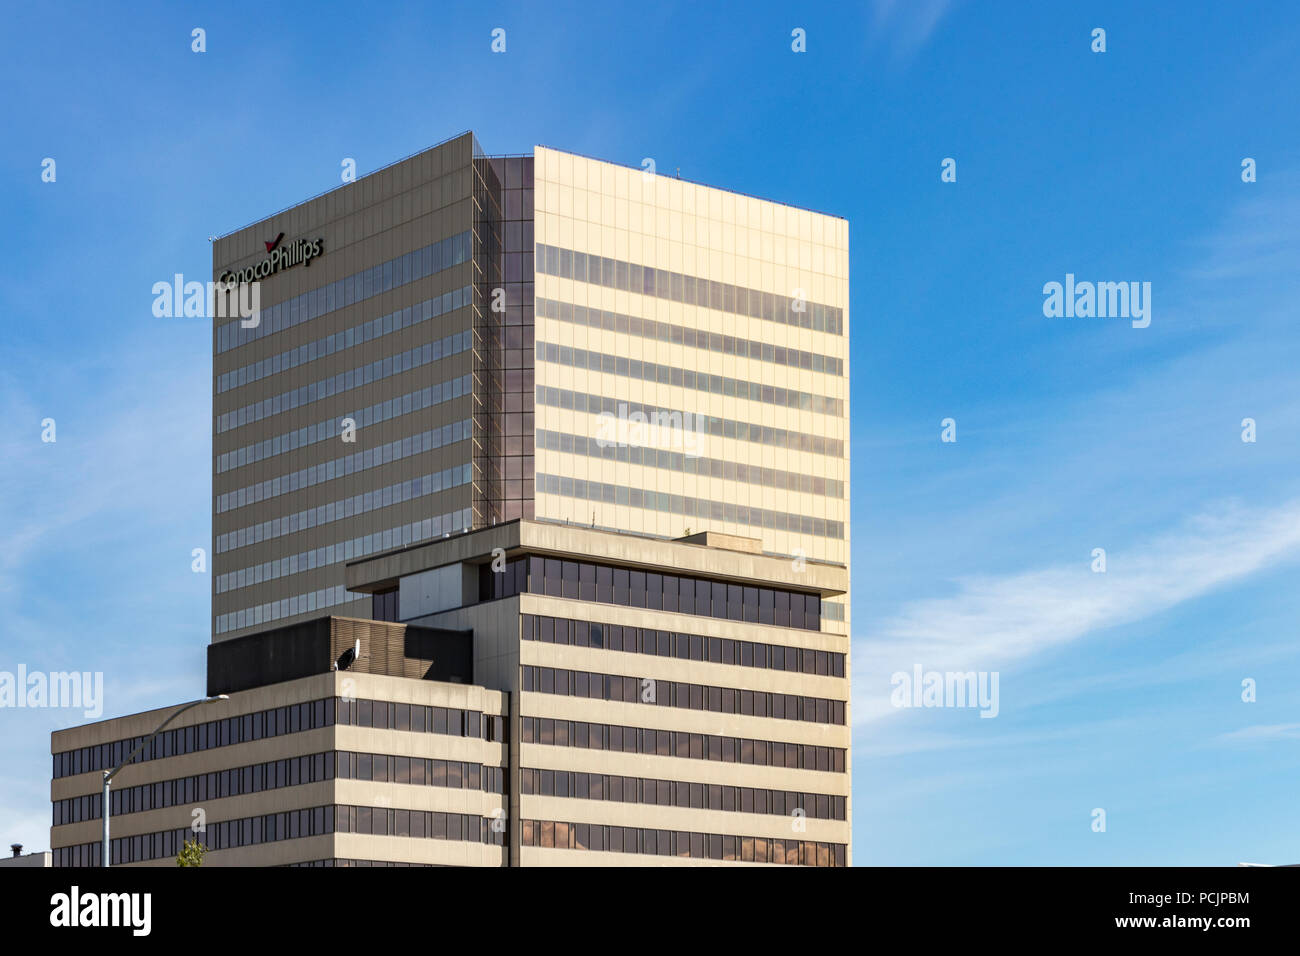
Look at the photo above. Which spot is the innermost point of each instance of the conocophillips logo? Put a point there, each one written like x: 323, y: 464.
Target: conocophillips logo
x: 281, y: 257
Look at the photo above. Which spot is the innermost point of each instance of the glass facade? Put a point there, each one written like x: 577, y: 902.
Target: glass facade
x: 631, y: 587
x: 373, y: 349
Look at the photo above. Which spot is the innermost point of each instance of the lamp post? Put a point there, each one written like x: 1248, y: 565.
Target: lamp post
x: 110, y: 774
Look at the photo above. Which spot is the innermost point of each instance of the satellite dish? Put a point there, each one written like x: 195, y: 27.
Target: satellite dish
x: 348, y: 657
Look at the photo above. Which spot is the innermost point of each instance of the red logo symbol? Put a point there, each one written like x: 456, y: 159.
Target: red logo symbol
x: 270, y: 246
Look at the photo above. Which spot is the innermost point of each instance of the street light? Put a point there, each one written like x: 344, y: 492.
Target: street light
x: 110, y: 774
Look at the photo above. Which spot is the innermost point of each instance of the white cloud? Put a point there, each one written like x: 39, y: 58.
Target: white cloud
x: 907, y: 24
x: 1260, y: 733
x: 993, y: 622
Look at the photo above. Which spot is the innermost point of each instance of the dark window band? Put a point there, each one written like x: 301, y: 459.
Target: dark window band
x: 682, y: 695
x: 629, y: 587
x: 680, y: 843
x: 683, y: 647
x: 682, y: 744
x: 679, y: 793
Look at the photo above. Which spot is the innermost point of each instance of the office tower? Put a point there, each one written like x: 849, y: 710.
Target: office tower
x: 564, y: 446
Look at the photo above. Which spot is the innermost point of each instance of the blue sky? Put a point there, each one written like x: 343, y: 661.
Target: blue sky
x: 1119, y: 691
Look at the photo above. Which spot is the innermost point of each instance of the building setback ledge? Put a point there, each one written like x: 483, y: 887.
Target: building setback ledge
x: 724, y: 560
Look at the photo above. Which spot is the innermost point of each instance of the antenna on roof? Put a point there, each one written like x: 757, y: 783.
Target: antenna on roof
x: 348, y: 657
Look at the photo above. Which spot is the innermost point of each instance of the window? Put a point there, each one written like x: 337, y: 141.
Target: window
x: 719, y: 606
x: 735, y: 609
x: 654, y: 591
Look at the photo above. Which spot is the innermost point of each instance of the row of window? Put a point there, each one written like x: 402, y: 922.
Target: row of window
x: 680, y: 694
x: 211, y: 734
x: 629, y: 452
x: 632, y: 587
x: 422, y: 772
x: 685, y: 505
x: 399, y: 537
x: 665, y: 284
x: 279, y: 721
x: 345, y: 381
x: 339, y: 862
x: 317, y: 600
x: 419, y: 719
x: 690, y: 337
x: 348, y: 338
x: 332, y: 429
x: 679, y: 793
x: 288, y: 772
x: 292, y: 825
x: 223, y: 835
x: 689, y: 379
x: 349, y: 290
x: 600, y: 837
x: 423, y: 824
x: 675, y: 743
x: 198, y: 788
x: 714, y: 427
x: 684, y: 647
x: 348, y: 550
x: 358, y: 504
x: 359, y: 461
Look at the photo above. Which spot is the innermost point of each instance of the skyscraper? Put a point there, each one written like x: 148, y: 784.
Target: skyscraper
x: 520, y: 430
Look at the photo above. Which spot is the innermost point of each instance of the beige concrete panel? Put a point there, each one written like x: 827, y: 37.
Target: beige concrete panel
x: 360, y: 846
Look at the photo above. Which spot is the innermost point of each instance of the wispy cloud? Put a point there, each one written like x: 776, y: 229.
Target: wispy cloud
x: 992, y: 622
x: 906, y: 25
x: 128, y: 466
x: 1260, y: 733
